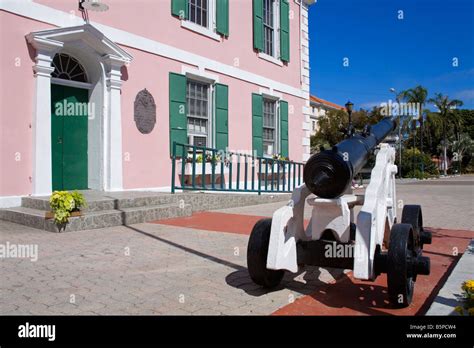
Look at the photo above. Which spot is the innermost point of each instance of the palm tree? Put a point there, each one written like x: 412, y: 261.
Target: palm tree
x: 418, y: 96
x: 463, y: 144
x: 445, y: 108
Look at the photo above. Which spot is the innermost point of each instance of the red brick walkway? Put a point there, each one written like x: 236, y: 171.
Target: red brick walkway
x: 349, y: 296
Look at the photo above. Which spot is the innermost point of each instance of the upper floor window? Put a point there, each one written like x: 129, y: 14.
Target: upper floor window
x: 269, y: 27
x: 271, y: 30
x: 199, y: 12
x: 207, y: 17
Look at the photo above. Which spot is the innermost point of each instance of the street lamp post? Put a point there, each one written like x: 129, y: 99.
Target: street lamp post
x: 349, y: 105
x: 397, y: 98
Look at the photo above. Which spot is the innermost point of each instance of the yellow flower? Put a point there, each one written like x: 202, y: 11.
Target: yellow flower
x: 471, y: 311
x: 468, y: 285
x: 459, y: 310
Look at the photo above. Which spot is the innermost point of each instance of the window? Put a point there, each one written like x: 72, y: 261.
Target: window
x: 269, y: 27
x: 197, y: 99
x: 269, y: 127
x: 68, y: 68
x: 199, y: 12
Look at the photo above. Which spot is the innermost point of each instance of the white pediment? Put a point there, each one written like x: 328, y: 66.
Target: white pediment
x: 86, y: 34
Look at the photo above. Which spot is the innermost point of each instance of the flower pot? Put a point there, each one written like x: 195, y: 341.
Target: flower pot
x: 274, y: 176
x: 199, y: 176
x: 50, y: 215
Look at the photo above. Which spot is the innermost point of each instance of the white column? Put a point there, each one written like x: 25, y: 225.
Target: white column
x: 113, y: 134
x: 41, y: 125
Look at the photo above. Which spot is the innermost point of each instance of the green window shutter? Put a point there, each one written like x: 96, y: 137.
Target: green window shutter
x: 284, y: 128
x: 222, y: 116
x: 179, y: 8
x: 284, y: 30
x: 222, y: 17
x: 258, y: 24
x: 257, y: 124
x: 178, y: 114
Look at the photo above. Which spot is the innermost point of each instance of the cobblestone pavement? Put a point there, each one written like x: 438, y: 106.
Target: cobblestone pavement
x: 447, y: 203
x: 140, y: 269
x: 165, y: 269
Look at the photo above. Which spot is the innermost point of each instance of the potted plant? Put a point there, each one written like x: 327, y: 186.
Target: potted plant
x: 274, y: 169
x: 65, y: 204
x: 468, y: 298
x: 208, y: 161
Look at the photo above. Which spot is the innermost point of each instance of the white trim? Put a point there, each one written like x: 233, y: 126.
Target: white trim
x: 276, y: 32
x: 270, y: 94
x: 70, y: 83
x: 199, y: 74
x: 58, y: 18
x: 10, y: 201
x: 200, y: 29
x: 269, y: 58
x: 86, y: 41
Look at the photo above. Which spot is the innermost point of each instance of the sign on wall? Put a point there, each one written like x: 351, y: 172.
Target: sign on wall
x: 144, y: 111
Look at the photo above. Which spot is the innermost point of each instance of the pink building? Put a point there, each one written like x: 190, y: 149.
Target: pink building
x: 224, y: 74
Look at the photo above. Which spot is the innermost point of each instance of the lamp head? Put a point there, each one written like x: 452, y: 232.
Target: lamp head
x: 349, y: 105
x: 93, y: 5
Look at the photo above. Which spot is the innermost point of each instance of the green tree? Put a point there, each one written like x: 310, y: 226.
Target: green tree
x: 445, y: 107
x: 462, y: 148
x: 412, y: 159
x: 417, y: 95
x: 332, y: 126
x: 330, y: 130
x: 467, y: 121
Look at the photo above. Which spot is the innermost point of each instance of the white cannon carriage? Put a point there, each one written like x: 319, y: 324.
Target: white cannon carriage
x: 370, y: 242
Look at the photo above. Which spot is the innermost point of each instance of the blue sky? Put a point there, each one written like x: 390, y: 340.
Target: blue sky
x: 385, y: 51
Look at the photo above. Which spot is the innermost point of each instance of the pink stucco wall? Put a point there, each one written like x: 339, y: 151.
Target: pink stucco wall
x: 16, y: 104
x: 152, y: 19
x: 149, y: 165
x: 151, y: 151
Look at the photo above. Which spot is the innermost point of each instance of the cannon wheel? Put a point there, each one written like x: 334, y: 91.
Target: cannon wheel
x: 401, y: 251
x: 412, y: 215
x: 257, y: 252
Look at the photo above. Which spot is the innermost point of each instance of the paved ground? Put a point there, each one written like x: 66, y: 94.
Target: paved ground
x: 451, y: 295
x: 446, y: 203
x: 169, y: 270
x: 198, y: 269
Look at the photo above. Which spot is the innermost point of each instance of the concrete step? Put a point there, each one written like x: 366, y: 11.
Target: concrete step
x: 95, y: 219
x: 109, y: 201
x: 107, y: 209
x: 42, y: 203
x: 137, y: 215
x: 147, y: 200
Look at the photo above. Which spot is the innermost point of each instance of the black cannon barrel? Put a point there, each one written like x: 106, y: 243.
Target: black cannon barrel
x: 329, y: 173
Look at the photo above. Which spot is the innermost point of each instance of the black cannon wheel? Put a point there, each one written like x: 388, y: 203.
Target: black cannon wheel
x: 412, y: 215
x: 257, y: 252
x: 401, y: 252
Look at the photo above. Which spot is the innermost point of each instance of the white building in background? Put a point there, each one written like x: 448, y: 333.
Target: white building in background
x: 319, y: 107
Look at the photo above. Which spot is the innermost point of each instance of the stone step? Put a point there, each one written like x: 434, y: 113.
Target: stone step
x: 109, y: 201
x: 147, y: 200
x: 25, y: 216
x: 95, y: 219
x: 137, y: 215
x: 42, y: 203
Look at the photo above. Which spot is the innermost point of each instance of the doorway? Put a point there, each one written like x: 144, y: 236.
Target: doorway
x: 69, y: 133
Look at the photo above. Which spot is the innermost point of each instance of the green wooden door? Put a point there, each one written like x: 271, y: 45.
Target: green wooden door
x: 69, y: 116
